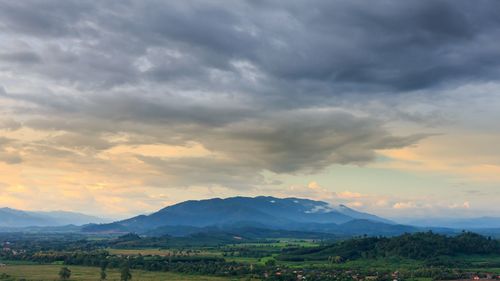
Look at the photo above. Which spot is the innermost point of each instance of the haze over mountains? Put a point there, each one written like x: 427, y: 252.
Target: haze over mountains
x: 264, y: 210
x: 463, y: 223
x: 236, y: 212
x: 18, y: 218
x: 256, y: 215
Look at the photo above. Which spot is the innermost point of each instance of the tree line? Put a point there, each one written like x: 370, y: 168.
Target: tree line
x: 418, y: 246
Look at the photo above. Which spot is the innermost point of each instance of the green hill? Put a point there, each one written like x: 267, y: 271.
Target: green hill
x: 419, y: 246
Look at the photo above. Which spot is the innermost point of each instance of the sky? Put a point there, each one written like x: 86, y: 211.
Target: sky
x: 121, y: 107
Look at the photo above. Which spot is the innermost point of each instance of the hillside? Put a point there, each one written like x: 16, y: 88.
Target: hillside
x: 12, y: 218
x: 473, y: 223
x: 258, y: 212
x: 418, y: 246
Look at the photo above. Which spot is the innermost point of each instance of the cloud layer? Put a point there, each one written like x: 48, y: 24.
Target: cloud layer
x: 247, y: 88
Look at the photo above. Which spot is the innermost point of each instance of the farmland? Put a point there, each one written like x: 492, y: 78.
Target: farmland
x: 419, y: 256
x: 83, y: 273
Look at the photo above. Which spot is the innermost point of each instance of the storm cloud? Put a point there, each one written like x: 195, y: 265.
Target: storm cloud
x: 265, y: 86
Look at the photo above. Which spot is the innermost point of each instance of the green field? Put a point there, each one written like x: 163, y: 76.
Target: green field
x: 81, y: 273
x: 383, y: 264
x: 161, y: 252
x: 281, y: 243
x: 416, y: 257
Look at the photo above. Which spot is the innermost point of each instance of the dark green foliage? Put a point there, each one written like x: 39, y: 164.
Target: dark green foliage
x: 6, y: 277
x: 426, y: 255
x: 125, y: 273
x: 64, y: 273
x: 132, y: 241
x: 104, y: 265
x: 128, y: 237
x: 271, y: 262
x: 419, y: 246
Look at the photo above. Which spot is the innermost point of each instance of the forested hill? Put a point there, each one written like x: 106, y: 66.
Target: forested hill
x: 420, y: 246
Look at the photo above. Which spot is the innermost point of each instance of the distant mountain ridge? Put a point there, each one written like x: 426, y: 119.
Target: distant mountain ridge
x: 457, y: 223
x: 12, y: 218
x: 236, y: 212
x: 262, y: 216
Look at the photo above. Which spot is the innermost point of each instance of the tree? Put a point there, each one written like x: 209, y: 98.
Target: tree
x: 64, y: 273
x: 338, y: 259
x: 103, y: 270
x: 125, y: 274
x: 270, y: 262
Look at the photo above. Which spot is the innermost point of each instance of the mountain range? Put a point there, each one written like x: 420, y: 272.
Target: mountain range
x: 458, y: 223
x: 12, y: 218
x: 263, y: 212
x: 255, y: 216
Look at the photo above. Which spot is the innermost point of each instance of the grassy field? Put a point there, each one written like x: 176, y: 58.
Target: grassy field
x: 81, y: 273
x: 204, y: 253
x: 133, y: 252
x: 160, y: 252
x: 281, y: 243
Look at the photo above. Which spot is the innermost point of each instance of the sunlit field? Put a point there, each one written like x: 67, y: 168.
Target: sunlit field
x: 81, y: 273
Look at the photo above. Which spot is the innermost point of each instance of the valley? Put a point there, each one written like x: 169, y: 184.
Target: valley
x: 248, y: 238
x: 251, y: 140
x: 419, y: 256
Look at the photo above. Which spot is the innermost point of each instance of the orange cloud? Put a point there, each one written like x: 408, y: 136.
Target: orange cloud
x: 472, y: 158
x: 349, y: 195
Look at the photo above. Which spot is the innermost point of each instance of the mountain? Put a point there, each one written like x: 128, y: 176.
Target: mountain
x: 70, y: 228
x: 248, y: 232
x: 457, y: 223
x: 16, y: 218
x: 370, y: 227
x: 262, y: 212
x: 12, y: 218
x: 360, y: 215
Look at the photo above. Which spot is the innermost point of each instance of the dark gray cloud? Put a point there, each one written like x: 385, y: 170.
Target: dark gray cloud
x: 323, y: 46
x: 203, y: 172
x: 244, y: 144
x: 21, y: 57
x: 291, y: 142
x: 42, y: 19
x: 266, y: 85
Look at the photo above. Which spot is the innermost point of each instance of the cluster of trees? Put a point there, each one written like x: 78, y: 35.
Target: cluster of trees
x: 419, y: 246
x: 328, y: 274
x: 125, y: 273
x: 183, y: 264
x: 64, y: 273
x: 209, y: 239
x: 75, y: 242
x: 6, y: 277
x: 433, y: 249
x: 249, y: 252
